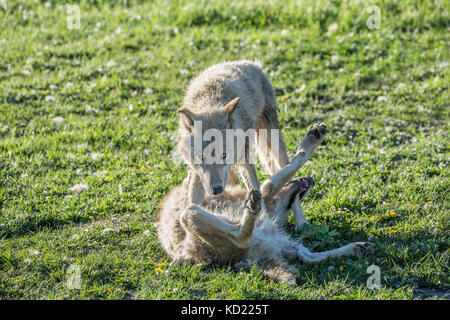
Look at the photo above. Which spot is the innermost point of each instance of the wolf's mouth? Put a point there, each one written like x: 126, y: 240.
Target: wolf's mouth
x: 305, y: 184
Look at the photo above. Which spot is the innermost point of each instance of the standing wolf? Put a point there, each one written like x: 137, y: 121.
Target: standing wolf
x: 231, y: 228
x: 232, y: 95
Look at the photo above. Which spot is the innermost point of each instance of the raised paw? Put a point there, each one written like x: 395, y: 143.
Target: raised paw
x: 317, y: 131
x: 253, y: 201
x: 365, y: 248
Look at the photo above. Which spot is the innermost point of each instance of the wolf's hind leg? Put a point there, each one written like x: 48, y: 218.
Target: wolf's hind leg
x: 308, y: 144
x: 196, y: 192
x: 216, y: 231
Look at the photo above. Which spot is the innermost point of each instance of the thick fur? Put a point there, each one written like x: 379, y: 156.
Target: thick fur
x: 233, y: 227
x: 232, y: 95
x: 215, y: 87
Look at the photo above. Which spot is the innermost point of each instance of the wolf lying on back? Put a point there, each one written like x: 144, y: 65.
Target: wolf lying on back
x: 229, y: 228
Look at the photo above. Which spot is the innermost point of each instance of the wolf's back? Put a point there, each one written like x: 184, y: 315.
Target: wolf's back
x: 216, y: 86
x: 170, y: 232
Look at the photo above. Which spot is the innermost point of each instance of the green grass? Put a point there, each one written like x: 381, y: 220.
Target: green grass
x: 384, y: 95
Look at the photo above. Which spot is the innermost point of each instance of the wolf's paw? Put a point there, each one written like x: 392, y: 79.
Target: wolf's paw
x: 253, y: 201
x: 365, y: 248
x: 317, y: 131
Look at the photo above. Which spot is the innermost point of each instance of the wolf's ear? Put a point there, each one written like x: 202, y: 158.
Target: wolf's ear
x: 231, y: 107
x: 187, y: 117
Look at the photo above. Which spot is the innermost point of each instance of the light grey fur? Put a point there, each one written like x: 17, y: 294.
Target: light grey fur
x: 232, y: 95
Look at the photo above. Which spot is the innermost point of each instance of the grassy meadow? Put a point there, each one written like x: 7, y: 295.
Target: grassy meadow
x: 88, y: 131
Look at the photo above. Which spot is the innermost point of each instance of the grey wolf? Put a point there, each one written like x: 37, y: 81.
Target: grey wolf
x: 233, y: 228
x: 232, y: 95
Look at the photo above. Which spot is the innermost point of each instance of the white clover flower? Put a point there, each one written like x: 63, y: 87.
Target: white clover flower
x: 50, y: 98
x: 91, y: 110
x: 333, y: 27
x: 96, y: 155
x: 108, y: 230
x: 58, y: 120
x: 79, y: 188
x: 382, y: 99
x: 110, y: 63
x: 401, y: 85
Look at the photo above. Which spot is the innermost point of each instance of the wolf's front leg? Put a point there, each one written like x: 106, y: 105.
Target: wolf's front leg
x: 299, y: 216
x: 308, y: 144
x: 196, y: 192
x: 249, y: 176
x: 246, y: 168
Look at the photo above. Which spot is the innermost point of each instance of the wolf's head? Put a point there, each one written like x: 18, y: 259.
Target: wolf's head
x: 203, y: 144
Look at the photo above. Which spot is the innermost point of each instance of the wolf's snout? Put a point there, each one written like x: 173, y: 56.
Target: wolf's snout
x: 217, y: 189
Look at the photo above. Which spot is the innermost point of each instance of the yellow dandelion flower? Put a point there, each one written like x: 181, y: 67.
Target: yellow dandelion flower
x: 158, y: 270
x: 390, y: 214
x: 393, y: 231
